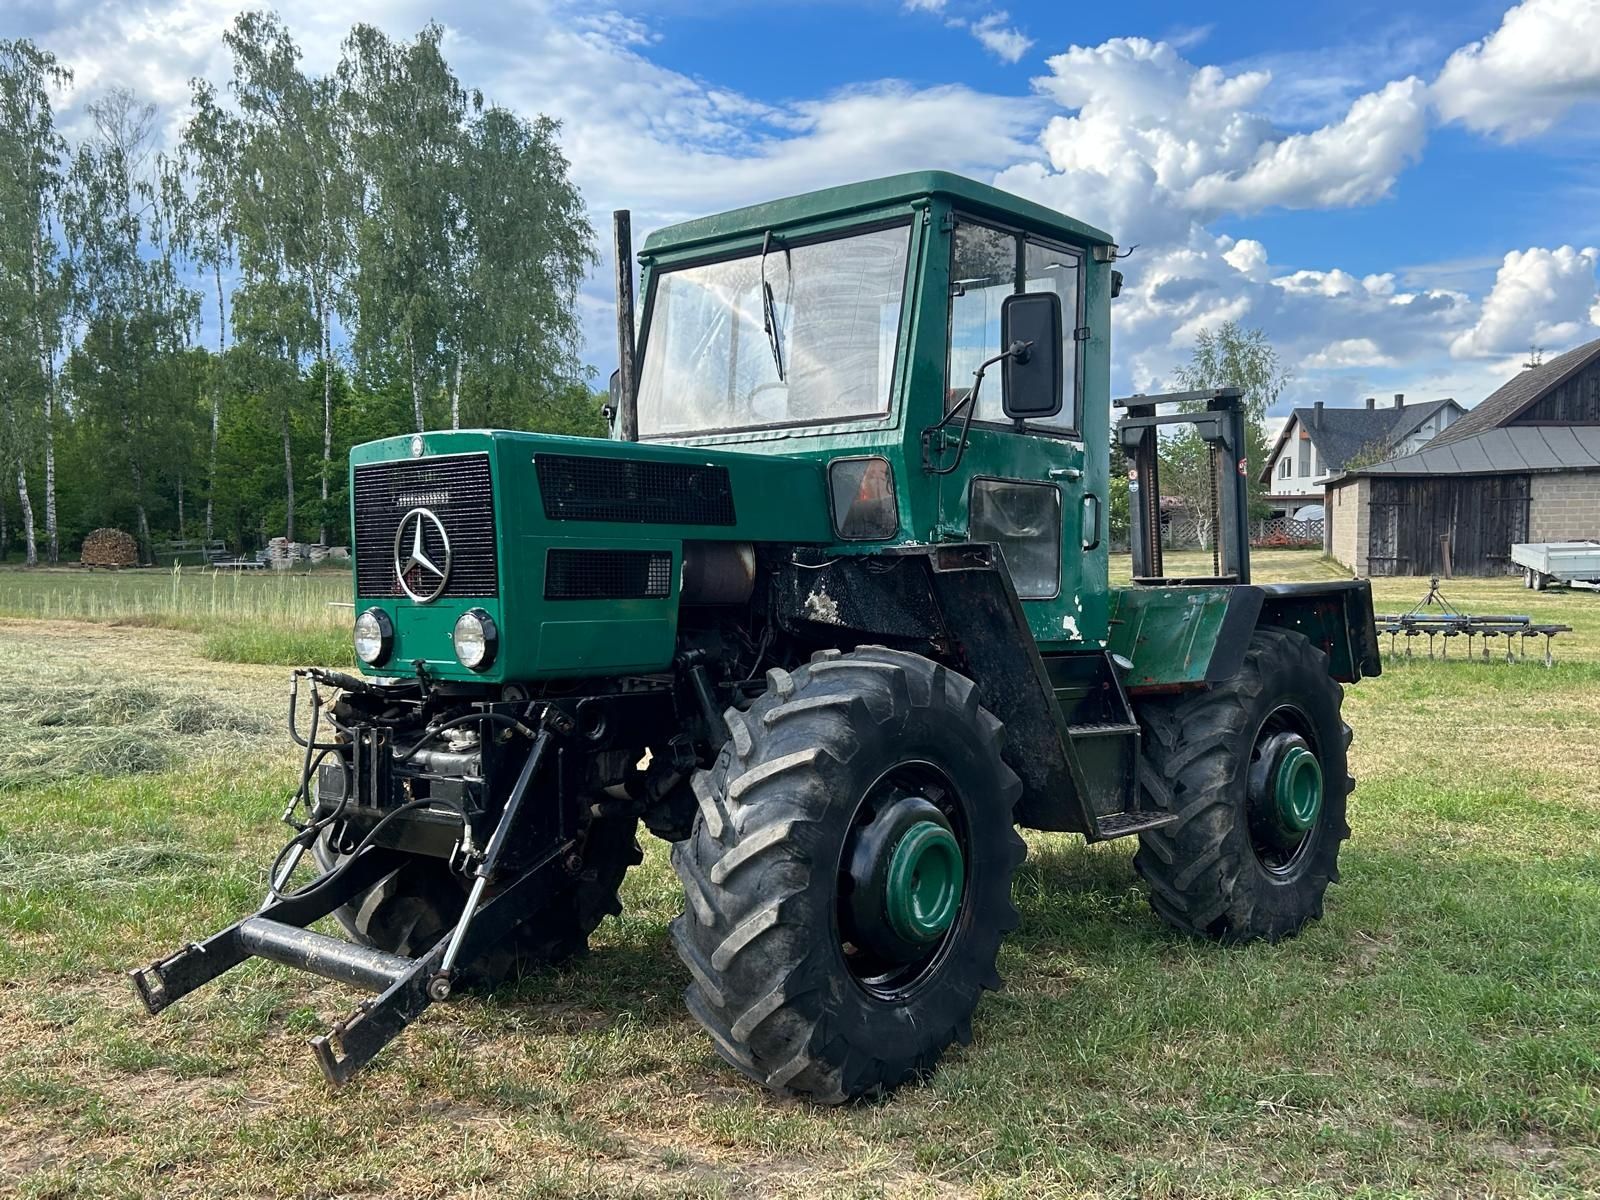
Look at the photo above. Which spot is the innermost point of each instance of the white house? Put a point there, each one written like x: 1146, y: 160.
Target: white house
x: 1319, y: 441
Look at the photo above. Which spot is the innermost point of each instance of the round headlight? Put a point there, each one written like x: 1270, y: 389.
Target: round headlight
x: 374, y: 636
x: 476, y: 639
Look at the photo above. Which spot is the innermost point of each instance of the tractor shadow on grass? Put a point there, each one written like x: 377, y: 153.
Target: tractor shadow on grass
x: 639, y: 979
x: 1081, y: 909
x: 1074, y: 901
x: 1074, y: 897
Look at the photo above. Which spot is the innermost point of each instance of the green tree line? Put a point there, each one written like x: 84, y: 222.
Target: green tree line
x: 374, y: 250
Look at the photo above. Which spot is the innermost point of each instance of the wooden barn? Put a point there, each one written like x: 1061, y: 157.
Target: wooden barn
x: 1523, y: 466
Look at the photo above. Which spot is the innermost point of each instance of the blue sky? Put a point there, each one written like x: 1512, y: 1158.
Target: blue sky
x: 1405, y: 197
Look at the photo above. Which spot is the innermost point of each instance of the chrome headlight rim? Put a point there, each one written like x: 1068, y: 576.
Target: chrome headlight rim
x: 381, y: 631
x: 488, y: 636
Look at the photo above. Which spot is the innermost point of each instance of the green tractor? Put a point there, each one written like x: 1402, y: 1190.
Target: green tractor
x: 830, y: 613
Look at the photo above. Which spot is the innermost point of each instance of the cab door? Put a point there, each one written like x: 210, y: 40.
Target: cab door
x: 1023, y: 487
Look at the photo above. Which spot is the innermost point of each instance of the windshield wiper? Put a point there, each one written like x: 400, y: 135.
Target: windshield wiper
x: 769, y: 306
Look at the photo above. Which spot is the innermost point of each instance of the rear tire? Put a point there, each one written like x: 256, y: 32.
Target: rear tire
x: 795, y: 970
x: 411, y: 908
x: 1222, y: 870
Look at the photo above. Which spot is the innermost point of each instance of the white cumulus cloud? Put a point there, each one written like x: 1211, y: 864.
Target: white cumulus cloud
x: 1248, y: 257
x: 1006, y: 42
x: 1540, y: 297
x: 1130, y: 135
x: 1348, y: 352
x: 1352, y: 161
x: 1521, y: 79
x: 1153, y: 142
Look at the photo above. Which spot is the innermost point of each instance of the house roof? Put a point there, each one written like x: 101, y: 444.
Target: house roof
x: 1519, y: 393
x: 1339, y: 434
x: 1512, y: 450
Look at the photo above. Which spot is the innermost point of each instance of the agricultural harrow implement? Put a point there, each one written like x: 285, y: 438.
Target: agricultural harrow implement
x: 1435, y: 618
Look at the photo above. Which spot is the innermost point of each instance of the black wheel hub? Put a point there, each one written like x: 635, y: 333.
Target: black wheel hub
x: 1285, y: 791
x: 902, y: 880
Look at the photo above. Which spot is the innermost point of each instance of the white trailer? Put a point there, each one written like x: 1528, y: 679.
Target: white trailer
x: 1576, y: 564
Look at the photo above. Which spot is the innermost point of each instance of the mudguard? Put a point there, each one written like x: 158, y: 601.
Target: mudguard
x: 1179, y: 637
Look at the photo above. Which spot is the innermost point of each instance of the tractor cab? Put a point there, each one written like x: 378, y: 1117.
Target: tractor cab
x: 939, y: 346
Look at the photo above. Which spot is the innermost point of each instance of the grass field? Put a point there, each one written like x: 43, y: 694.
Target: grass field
x: 278, y: 617
x: 1438, y: 1034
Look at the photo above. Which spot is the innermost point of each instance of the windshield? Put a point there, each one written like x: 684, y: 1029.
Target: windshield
x: 709, y: 361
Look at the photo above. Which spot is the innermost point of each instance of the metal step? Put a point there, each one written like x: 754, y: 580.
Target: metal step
x: 1107, y: 729
x: 1122, y: 824
x: 330, y: 957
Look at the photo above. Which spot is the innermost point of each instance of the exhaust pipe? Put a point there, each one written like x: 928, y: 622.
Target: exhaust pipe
x: 627, y: 380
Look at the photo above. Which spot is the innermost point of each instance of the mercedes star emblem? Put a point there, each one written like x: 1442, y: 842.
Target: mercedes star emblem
x: 411, y: 555
x: 416, y: 445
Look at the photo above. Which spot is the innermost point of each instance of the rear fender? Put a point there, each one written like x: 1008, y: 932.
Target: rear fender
x: 1183, y: 637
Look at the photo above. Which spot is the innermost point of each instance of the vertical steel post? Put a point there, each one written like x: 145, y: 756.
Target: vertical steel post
x: 1144, y: 501
x: 1235, y: 498
x: 627, y: 365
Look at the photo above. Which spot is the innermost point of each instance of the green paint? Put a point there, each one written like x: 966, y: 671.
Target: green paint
x: 1168, y: 633
x: 775, y: 499
x: 922, y: 888
x: 1297, y: 790
x: 851, y: 203
x: 778, y: 476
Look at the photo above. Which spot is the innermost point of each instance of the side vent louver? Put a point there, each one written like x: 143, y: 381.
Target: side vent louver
x: 608, y: 575
x: 577, y: 487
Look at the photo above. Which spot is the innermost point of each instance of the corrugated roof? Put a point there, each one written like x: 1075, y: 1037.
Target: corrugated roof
x: 1519, y: 393
x: 1512, y: 450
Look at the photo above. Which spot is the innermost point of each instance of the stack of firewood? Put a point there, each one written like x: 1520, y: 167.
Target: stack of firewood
x: 110, y: 548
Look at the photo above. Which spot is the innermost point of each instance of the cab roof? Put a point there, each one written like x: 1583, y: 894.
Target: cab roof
x: 966, y: 194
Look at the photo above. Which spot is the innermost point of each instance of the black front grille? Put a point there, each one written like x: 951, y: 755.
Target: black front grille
x: 608, y: 575
x: 576, y: 487
x: 456, y: 490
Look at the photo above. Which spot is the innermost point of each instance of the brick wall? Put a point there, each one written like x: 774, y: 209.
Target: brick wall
x: 1565, y: 507
x: 1349, y: 516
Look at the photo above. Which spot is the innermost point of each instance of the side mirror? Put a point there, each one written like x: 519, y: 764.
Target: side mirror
x: 1030, y: 382
x: 610, y: 410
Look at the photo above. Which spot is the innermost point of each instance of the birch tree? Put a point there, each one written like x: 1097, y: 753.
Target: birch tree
x: 526, y: 245
x: 294, y: 190
x: 31, y: 154
x: 135, y: 311
x: 406, y: 111
x: 208, y: 233
x: 1232, y: 356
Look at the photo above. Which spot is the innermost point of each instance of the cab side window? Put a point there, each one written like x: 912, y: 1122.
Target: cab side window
x: 983, y: 272
x: 1048, y: 269
x: 986, y: 266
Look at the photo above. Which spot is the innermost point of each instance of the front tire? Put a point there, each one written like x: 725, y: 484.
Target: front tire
x: 848, y: 880
x: 415, y: 905
x: 1255, y: 769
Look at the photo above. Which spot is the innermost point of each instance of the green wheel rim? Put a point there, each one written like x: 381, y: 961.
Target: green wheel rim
x: 922, y: 892
x: 1297, y: 790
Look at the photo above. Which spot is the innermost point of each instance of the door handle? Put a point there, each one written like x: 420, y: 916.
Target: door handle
x: 1095, y: 544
